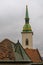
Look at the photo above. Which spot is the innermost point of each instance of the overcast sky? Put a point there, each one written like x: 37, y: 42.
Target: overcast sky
x: 12, y: 14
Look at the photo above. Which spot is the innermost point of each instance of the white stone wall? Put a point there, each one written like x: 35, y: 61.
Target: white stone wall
x: 29, y: 37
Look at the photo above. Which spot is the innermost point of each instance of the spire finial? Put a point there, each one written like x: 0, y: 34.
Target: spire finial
x: 18, y: 41
x: 26, y: 17
x: 27, y: 12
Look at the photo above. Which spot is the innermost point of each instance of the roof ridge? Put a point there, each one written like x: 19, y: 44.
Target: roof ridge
x: 6, y: 40
x: 39, y: 54
x: 21, y: 52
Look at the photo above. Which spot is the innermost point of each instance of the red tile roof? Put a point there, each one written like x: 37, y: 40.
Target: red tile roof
x: 34, y: 55
x: 6, y: 51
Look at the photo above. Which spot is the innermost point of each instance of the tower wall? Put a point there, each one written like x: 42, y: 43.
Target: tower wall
x: 30, y: 40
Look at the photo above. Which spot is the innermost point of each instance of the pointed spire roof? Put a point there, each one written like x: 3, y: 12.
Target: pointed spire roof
x: 27, y: 16
x: 27, y: 26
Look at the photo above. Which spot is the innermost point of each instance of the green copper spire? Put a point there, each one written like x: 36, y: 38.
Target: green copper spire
x: 27, y: 26
x: 27, y: 16
x: 27, y: 12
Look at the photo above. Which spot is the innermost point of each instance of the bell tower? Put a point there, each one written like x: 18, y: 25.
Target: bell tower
x: 27, y: 33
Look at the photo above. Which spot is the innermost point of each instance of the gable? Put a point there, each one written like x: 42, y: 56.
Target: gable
x: 19, y: 50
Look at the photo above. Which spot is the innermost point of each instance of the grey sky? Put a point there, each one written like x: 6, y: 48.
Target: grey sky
x: 12, y: 14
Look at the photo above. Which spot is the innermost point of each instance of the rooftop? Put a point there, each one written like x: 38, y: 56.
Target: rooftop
x: 34, y: 55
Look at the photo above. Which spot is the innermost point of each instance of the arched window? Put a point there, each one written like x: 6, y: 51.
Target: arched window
x: 27, y: 42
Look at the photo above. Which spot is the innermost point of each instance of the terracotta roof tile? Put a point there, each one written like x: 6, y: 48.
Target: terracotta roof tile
x: 6, y: 50
x: 34, y: 55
